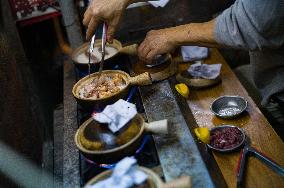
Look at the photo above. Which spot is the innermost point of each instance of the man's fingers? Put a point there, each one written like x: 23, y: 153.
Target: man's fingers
x: 87, y: 17
x: 112, y: 26
x: 143, y: 52
x: 92, y: 28
x: 150, y: 56
x: 110, y: 33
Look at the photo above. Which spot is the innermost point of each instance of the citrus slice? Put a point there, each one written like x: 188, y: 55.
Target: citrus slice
x: 182, y: 89
x: 203, y: 134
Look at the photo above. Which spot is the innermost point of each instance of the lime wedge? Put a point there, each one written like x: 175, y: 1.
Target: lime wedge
x: 203, y: 134
x: 182, y: 89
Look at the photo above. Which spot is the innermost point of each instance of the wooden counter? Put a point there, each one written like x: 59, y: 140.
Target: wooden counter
x: 262, y: 135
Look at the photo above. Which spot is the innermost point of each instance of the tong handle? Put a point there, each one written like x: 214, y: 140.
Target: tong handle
x: 241, y: 167
x: 268, y: 161
x: 103, y: 46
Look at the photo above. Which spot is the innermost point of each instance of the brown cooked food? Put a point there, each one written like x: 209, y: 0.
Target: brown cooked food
x: 103, y: 87
x: 97, y: 136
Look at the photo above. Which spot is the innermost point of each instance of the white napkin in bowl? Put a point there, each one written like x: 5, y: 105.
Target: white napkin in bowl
x: 206, y: 71
x: 193, y: 53
x: 124, y: 175
x: 116, y: 115
x: 159, y: 3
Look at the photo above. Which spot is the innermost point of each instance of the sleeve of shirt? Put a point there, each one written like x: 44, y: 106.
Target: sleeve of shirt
x: 251, y: 25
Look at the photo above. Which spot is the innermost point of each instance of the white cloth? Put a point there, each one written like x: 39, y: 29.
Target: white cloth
x: 125, y: 175
x: 204, y: 70
x: 159, y: 3
x: 116, y: 115
x: 193, y: 53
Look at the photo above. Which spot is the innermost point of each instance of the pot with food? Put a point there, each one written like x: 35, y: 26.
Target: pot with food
x: 152, y: 181
x: 101, y: 89
x: 98, y: 143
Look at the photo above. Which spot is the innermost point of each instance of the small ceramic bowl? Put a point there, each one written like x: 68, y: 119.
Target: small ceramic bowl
x: 227, y: 107
x: 243, y: 137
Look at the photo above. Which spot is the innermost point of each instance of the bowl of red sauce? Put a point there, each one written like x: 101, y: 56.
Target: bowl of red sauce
x: 226, y: 138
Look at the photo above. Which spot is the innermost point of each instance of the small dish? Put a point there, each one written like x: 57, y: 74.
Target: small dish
x: 236, y: 134
x: 196, y: 83
x: 228, y: 107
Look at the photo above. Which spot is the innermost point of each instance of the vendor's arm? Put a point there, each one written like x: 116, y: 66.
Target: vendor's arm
x: 109, y: 11
x: 249, y: 25
x: 166, y: 40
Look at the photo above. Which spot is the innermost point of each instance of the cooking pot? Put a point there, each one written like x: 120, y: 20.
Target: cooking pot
x: 141, y: 79
x: 126, y: 142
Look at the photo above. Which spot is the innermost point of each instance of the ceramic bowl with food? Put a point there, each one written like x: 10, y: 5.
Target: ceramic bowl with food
x: 227, y: 107
x: 99, y: 144
x: 226, y: 138
x: 106, y: 87
x: 153, y: 180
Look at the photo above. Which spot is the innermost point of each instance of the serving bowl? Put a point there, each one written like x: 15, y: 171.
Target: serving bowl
x: 227, y: 107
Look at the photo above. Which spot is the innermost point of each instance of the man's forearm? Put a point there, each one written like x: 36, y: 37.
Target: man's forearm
x: 199, y: 34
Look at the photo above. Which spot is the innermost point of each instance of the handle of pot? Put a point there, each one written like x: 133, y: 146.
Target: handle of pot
x: 141, y: 79
x: 182, y: 182
x: 129, y: 50
x: 157, y: 127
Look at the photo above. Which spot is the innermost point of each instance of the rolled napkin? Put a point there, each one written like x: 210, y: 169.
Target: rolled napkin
x: 125, y: 175
x: 159, y: 3
x: 193, y: 53
x: 116, y: 115
x: 206, y: 71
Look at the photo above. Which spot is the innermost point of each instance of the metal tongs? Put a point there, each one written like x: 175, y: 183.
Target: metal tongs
x: 91, y: 50
x: 92, y: 46
x: 103, y: 47
x: 250, y: 151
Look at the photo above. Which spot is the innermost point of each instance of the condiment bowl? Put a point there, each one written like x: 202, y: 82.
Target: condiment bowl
x: 228, y: 107
x: 243, y: 137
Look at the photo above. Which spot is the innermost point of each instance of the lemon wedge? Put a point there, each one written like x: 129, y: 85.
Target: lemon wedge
x: 182, y: 89
x: 203, y: 134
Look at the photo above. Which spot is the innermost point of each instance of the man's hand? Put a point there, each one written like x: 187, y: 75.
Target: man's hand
x: 158, y: 42
x: 109, y: 11
x: 165, y: 40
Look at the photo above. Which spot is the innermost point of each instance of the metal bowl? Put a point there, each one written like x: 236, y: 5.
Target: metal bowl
x: 227, y: 107
x: 229, y: 149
